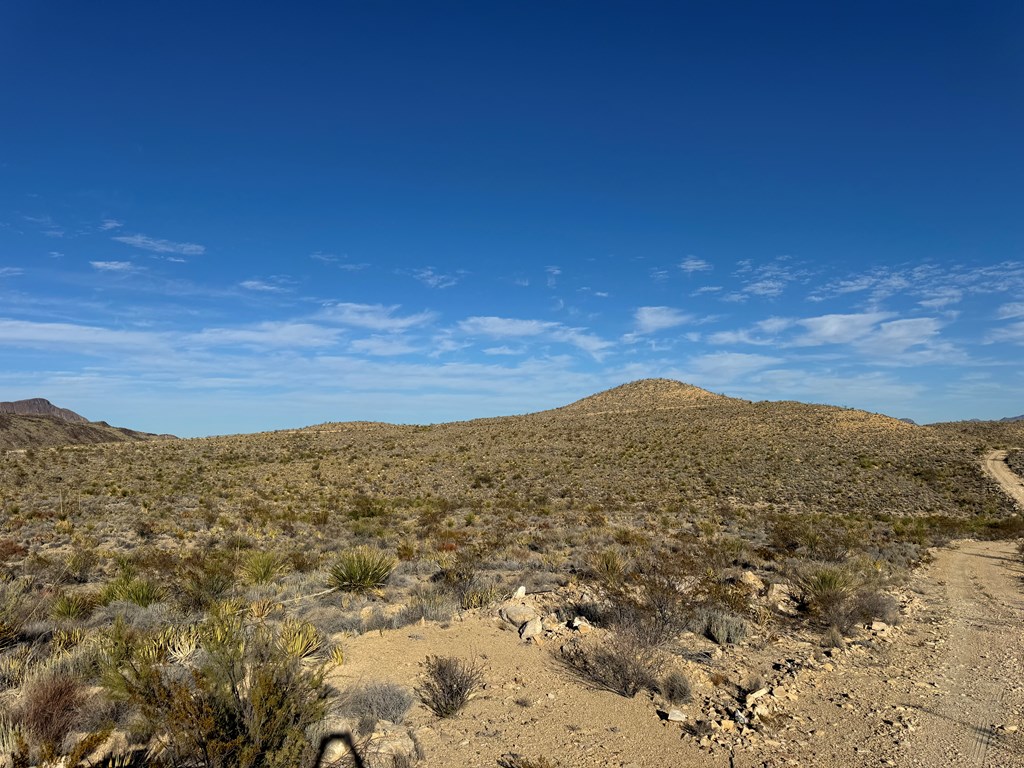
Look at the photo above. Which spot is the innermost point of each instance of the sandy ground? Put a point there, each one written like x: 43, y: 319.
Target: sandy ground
x: 944, y: 688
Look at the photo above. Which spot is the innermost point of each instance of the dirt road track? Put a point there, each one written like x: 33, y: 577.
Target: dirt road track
x: 1013, y: 485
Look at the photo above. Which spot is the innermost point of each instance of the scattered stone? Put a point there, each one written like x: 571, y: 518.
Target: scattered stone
x: 520, y: 593
x: 531, y: 629
x: 752, y: 697
x: 517, y: 613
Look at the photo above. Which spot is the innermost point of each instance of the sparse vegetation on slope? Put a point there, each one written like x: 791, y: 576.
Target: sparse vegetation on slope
x: 671, y: 503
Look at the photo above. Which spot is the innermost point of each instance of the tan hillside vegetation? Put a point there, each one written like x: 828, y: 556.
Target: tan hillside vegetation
x: 662, y: 536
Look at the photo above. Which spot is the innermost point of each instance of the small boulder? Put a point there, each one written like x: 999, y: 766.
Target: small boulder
x: 517, y: 613
x: 531, y: 629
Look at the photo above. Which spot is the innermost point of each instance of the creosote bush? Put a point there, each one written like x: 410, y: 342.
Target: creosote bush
x: 449, y: 684
x: 246, y: 702
x: 362, y: 569
x: 619, y: 664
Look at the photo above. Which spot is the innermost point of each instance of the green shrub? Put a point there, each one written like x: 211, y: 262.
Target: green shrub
x: 246, y: 703
x: 826, y: 593
x: 362, y: 569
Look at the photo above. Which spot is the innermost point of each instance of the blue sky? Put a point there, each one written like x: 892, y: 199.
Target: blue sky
x: 221, y: 218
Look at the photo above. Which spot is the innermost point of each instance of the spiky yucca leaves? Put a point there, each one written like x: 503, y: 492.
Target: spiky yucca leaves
x: 73, y: 606
x: 129, y: 589
x: 246, y: 701
x: 300, y: 639
x: 263, y: 567
x: 362, y: 569
x: 826, y: 592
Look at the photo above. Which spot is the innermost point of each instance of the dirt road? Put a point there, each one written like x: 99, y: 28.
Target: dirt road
x: 995, y: 465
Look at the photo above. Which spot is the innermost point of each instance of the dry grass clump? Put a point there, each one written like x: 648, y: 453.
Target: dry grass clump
x: 376, y: 701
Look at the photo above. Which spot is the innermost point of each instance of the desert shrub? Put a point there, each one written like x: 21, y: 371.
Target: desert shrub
x: 72, y: 606
x: 818, y: 537
x: 826, y: 592
x: 513, y: 760
x: 428, y: 605
x: 361, y: 569
x: 263, y: 567
x: 449, y: 684
x: 300, y: 639
x: 833, y: 638
x: 675, y: 688
x: 869, y: 605
x: 199, y: 584
x: 377, y: 701
x: 245, y: 703
x: 12, y: 613
x: 50, y: 705
x: 460, y: 574
x: 619, y: 664
x: 720, y: 626
x: 608, y: 566
x: 129, y: 589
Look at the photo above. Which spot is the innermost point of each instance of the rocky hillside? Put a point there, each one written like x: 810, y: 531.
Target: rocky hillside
x: 21, y: 428
x: 38, y: 406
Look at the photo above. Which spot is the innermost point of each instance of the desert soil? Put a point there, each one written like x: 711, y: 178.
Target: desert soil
x: 944, y: 688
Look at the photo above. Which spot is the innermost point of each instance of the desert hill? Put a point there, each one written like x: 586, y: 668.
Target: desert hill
x: 634, y: 453
x: 38, y: 406
x: 38, y: 423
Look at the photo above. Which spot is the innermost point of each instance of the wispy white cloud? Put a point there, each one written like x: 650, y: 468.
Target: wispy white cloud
x: 375, y: 317
x: 838, y: 329
x: 1010, y: 311
x: 691, y: 264
x: 553, y: 273
x: 109, y: 224
x: 11, y: 271
x: 260, y: 286
x: 654, y: 319
x: 724, y: 367
x: 384, y: 346
x: 1013, y: 333
x: 504, y: 327
x: 267, y: 335
x: 273, y: 284
x: 113, y: 266
x: 161, y: 246
x: 434, y: 279
x: 507, y: 327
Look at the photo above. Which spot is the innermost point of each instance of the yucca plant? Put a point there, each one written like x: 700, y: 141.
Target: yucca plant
x: 362, y: 569
x: 827, y: 592
x: 72, y: 606
x: 300, y: 639
x: 133, y: 590
x: 263, y: 567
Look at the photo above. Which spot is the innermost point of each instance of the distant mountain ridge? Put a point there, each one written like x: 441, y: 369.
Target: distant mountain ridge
x: 39, y: 406
x: 1014, y: 418
x: 38, y: 423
